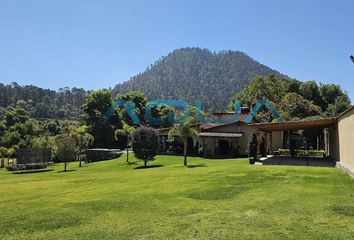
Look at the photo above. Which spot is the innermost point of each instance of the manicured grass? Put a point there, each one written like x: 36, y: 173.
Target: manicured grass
x: 211, y: 199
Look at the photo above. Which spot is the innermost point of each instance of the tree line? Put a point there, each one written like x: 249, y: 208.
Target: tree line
x: 43, y: 103
x: 293, y: 99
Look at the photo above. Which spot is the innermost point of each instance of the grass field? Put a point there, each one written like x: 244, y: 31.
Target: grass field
x: 211, y: 199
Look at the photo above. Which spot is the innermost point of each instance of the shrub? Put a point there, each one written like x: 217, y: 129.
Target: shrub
x: 145, y: 144
x: 252, y: 148
x: 300, y: 152
x: 3, y: 153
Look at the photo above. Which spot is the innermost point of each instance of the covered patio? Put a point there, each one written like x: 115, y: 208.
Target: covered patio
x: 220, y: 144
x: 326, y: 141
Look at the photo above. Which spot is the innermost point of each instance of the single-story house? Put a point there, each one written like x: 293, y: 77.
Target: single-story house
x: 231, y: 139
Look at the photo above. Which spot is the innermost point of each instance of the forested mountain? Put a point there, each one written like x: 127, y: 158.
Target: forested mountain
x: 188, y: 73
x: 43, y: 103
x: 217, y: 79
x: 197, y: 74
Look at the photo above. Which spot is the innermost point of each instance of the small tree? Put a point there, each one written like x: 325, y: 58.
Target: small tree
x: 186, y: 129
x: 3, y: 153
x: 82, y: 141
x: 145, y: 144
x: 127, y: 131
x: 11, y: 151
x: 65, y: 149
x: 252, y: 148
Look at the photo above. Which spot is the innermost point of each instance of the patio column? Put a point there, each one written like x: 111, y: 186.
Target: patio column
x: 288, y: 141
x: 270, y: 143
x: 163, y: 144
x: 258, y: 146
x: 325, y: 134
x: 214, y: 150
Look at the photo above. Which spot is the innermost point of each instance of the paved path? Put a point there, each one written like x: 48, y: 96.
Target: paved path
x: 296, y: 161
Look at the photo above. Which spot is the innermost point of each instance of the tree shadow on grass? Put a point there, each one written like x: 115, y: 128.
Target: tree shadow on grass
x: 33, y: 171
x: 149, y: 166
x: 343, y: 209
x: 70, y: 170
x: 194, y: 165
x: 132, y: 163
x: 83, y: 166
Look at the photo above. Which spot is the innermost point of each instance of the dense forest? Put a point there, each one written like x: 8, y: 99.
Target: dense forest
x: 197, y: 74
x: 43, y: 103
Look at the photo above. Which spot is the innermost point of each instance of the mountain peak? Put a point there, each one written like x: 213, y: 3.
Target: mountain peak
x: 197, y: 74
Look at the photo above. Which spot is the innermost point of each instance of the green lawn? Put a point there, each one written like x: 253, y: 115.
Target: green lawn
x: 212, y: 199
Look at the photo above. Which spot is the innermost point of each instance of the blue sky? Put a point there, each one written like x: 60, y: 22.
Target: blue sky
x: 96, y: 44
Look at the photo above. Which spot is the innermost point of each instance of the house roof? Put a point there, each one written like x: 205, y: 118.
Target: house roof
x: 345, y: 112
x: 218, y: 134
x: 216, y: 126
x: 205, y: 126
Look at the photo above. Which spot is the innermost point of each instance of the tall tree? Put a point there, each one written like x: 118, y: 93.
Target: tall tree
x: 311, y: 91
x: 332, y: 93
x: 339, y: 105
x: 268, y: 87
x: 294, y: 106
x: 97, y: 103
x: 140, y: 101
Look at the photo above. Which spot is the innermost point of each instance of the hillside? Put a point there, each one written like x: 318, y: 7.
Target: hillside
x: 197, y: 74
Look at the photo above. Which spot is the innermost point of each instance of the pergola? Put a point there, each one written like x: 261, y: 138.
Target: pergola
x: 220, y: 135
x: 294, y: 125
x: 268, y: 128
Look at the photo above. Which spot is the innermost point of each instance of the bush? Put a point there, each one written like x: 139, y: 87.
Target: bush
x: 252, y: 148
x: 145, y: 144
x: 302, y: 152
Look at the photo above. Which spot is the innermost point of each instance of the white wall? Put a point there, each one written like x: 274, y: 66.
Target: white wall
x: 346, y: 139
